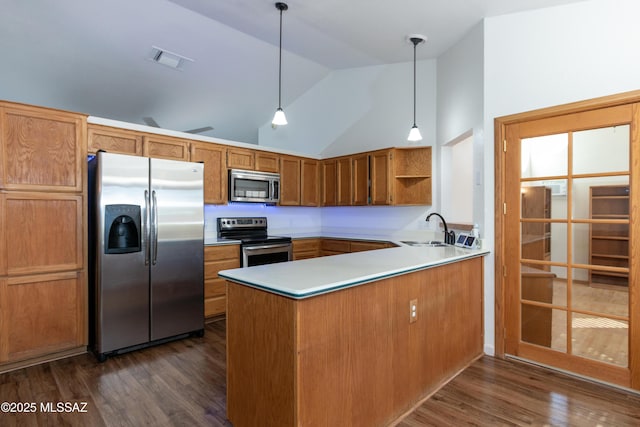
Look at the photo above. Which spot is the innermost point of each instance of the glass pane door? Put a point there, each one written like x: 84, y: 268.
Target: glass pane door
x: 574, y: 241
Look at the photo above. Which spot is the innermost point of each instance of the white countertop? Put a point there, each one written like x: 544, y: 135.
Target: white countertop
x: 314, y: 276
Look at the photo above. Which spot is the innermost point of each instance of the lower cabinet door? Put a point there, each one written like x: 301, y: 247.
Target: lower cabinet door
x: 41, y: 314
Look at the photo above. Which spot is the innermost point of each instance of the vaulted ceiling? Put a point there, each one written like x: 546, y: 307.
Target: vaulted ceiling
x: 94, y: 56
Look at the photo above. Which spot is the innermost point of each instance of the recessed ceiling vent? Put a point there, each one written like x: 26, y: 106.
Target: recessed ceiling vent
x: 169, y: 59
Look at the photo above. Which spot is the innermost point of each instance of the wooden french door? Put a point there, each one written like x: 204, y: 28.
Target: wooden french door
x: 569, y: 191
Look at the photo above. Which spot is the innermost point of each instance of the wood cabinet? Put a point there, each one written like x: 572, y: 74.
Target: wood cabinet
x: 41, y: 232
x: 361, y: 245
x: 217, y: 258
x: 410, y: 171
x: 306, y: 248
x: 267, y: 162
x: 329, y: 190
x: 214, y: 158
x: 41, y: 149
x: 309, y: 182
x: 609, y: 241
x: 165, y: 147
x: 536, y: 236
x: 289, y: 181
x: 343, y: 181
x: 344, y: 246
x: 536, y: 280
x: 393, y: 176
x: 123, y: 141
x: 42, y: 314
x: 352, y: 356
x: 240, y: 158
x: 112, y: 140
x: 43, y: 276
x: 380, y: 174
x: 360, y: 179
x: 335, y: 247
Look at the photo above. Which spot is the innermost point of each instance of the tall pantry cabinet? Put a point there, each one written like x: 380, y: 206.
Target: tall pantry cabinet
x: 42, y: 211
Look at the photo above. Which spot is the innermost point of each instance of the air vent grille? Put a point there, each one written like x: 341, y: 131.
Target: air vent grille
x: 169, y: 59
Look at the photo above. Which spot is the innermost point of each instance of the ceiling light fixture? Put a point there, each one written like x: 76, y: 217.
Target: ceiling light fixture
x: 279, y: 118
x: 414, y: 133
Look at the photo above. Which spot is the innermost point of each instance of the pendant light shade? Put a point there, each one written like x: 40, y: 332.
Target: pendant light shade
x: 279, y: 117
x: 414, y: 133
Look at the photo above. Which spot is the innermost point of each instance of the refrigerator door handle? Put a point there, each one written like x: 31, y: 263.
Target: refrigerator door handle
x: 147, y: 244
x: 154, y: 228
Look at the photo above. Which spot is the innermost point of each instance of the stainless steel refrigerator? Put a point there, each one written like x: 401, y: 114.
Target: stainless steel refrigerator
x: 146, y: 241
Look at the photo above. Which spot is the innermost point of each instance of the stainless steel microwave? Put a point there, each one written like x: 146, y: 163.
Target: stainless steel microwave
x: 252, y: 186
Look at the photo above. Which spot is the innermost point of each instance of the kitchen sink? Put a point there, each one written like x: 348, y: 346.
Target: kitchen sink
x: 430, y: 243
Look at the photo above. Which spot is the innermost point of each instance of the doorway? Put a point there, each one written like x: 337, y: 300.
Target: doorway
x: 567, y: 189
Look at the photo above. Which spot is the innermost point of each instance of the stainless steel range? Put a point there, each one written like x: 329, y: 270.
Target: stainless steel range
x: 257, y: 248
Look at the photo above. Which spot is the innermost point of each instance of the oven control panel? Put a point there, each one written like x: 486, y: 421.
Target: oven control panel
x: 242, y: 223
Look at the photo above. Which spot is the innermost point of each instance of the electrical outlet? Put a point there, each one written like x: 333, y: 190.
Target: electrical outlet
x: 413, y: 310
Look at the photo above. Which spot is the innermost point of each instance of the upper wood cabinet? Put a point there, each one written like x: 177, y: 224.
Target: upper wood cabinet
x: 165, y: 147
x: 240, y: 158
x: 41, y: 149
x: 214, y: 158
x: 343, y: 181
x: 111, y: 140
x: 267, y: 162
x: 309, y: 182
x: 329, y: 189
x: 380, y: 171
x: 123, y: 141
x: 393, y: 176
x: 289, y: 181
x: 360, y: 179
x: 410, y: 171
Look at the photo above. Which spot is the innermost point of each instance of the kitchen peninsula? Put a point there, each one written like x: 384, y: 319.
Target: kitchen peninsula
x: 353, y: 339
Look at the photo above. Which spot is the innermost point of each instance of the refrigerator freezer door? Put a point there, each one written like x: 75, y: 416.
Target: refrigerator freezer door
x: 177, y: 248
x: 122, y: 277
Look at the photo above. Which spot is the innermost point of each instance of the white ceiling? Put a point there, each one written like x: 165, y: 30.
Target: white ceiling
x: 91, y: 56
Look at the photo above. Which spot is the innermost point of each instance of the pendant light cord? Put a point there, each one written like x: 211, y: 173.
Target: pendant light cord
x: 414, y: 81
x: 280, y: 65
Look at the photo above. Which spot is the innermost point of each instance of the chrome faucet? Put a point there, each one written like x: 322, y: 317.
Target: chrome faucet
x: 449, y: 236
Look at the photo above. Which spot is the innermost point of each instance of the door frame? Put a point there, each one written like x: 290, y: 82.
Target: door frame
x: 500, y: 125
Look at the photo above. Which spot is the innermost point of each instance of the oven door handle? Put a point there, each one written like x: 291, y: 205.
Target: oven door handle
x: 262, y: 247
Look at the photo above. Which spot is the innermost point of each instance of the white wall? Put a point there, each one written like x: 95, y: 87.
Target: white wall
x: 550, y: 57
x: 359, y: 109
x: 460, y: 115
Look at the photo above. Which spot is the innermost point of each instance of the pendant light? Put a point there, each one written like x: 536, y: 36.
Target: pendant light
x: 414, y: 133
x: 279, y: 117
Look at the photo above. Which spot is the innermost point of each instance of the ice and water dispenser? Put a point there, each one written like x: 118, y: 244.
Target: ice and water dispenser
x: 122, y: 234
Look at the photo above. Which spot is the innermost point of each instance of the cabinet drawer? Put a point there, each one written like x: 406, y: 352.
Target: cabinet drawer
x: 215, y: 253
x: 211, y: 268
x: 215, y: 306
x: 306, y: 244
x: 215, y: 288
x: 334, y: 245
x: 369, y: 246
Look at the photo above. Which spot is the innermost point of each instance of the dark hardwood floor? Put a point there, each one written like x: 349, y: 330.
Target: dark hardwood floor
x: 183, y: 384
